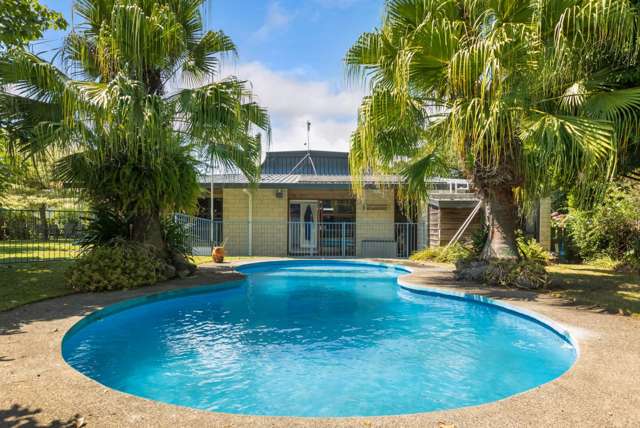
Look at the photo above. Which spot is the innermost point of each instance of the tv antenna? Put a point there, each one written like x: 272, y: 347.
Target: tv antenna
x: 308, y: 155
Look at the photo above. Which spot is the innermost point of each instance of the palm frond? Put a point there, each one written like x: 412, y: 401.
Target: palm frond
x: 122, y: 141
x: 529, y: 93
x: 203, y: 57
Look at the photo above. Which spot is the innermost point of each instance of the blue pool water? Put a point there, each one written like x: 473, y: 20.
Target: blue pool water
x: 316, y: 339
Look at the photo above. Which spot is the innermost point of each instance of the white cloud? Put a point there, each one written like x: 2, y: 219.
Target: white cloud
x: 289, y: 93
x: 292, y: 100
x: 326, y: 134
x: 276, y: 19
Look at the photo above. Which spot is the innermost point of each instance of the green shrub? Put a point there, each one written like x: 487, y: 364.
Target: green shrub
x: 479, y: 239
x: 104, y: 228
x: 631, y: 258
x: 531, y: 250
x: 611, y: 229
x: 122, y: 265
x: 19, y: 224
x: 604, y: 262
x: 630, y: 263
x: 176, y: 237
x: 523, y: 274
x: 450, y: 254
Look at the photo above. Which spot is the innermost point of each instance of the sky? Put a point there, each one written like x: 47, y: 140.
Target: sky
x: 291, y: 51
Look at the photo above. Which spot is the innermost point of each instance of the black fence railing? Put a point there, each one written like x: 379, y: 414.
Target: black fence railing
x: 28, y: 236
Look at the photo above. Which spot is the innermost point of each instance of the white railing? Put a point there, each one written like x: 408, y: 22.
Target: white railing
x: 450, y: 185
x: 306, y: 239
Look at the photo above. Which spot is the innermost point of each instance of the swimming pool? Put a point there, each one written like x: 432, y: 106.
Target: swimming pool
x: 316, y: 338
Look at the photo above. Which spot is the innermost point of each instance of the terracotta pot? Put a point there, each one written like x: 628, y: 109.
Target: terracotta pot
x: 218, y: 254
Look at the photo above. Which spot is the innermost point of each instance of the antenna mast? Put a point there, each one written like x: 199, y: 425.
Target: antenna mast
x: 308, y: 155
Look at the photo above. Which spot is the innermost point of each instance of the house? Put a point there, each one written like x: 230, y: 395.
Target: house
x: 304, y: 205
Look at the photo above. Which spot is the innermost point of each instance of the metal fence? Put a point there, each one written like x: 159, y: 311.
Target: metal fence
x: 28, y: 236
x: 309, y: 239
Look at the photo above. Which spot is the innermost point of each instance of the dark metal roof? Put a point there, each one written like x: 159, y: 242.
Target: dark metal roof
x: 285, y: 169
x: 296, y: 180
x: 326, y: 163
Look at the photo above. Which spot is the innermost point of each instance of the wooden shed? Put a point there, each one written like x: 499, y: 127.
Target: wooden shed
x: 446, y: 213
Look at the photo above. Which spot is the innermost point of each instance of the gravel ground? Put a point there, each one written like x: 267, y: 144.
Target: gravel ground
x: 38, y: 389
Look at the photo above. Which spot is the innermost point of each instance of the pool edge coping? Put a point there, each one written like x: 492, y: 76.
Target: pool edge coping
x: 532, y: 316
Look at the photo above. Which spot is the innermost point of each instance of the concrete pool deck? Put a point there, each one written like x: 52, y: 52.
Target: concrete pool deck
x: 38, y: 389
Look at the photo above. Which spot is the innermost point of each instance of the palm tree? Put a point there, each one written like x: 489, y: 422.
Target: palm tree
x: 524, y: 95
x: 138, y: 100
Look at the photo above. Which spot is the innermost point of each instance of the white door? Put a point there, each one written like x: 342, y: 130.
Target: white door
x: 304, y: 226
x: 308, y: 225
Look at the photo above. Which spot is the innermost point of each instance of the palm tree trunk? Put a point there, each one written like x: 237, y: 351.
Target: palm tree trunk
x: 147, y: 229
x: 502, y: 220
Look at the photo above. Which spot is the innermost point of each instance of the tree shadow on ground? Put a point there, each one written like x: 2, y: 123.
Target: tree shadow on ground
x: 25, y: 417
x: 597, y: 289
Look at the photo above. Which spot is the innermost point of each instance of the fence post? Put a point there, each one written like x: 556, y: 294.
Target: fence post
x: 43, y: 222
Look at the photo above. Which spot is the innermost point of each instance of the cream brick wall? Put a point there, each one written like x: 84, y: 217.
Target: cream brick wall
x: 269, y: 224
x: 270, y: 216
x: 235, y: 205
x: 375, y: 215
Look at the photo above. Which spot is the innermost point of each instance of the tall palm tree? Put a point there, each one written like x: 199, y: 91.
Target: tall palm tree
x: 525, y: 95
x: 138, y: 100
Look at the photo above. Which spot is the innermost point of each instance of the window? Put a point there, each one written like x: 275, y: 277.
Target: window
x: 338, y: 211
x: 204, y: 209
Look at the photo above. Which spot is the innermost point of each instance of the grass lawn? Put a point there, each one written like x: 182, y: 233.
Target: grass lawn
x: 593, y: 286
x: 26, y: 283
x: 28, y: 251
x: 22, y: 283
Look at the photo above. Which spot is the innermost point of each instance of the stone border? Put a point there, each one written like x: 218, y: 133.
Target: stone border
x: 39, y: 388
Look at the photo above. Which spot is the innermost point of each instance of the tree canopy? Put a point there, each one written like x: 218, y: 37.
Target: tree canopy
x: 23, y: 21
x: 524, y: 95
x: 138, y: 97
